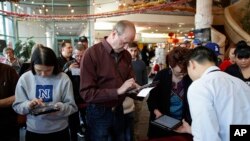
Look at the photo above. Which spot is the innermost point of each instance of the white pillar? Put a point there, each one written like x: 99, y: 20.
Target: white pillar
x: 203, y: 16
x: 91, y: 25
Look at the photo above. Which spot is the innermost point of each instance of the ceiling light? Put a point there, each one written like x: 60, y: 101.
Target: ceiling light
x: 72, y: 11
x: 69, y: 5
x: 32, y: 2
x: 99, y: 8
x: 43, y: 5
x: 104, y: 25
x: 46, y: 9
x: 40, y: 11
x: 154, y: 35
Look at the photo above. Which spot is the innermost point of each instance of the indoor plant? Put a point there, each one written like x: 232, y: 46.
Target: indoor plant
x: 23, y: 49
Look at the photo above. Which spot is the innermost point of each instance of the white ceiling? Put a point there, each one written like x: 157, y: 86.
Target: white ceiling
x: 149, y: 23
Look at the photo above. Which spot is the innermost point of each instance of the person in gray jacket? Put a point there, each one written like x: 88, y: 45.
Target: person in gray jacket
x: 45, y: 85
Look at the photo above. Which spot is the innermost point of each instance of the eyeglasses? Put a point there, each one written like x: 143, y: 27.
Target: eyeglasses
x: 177, y: 73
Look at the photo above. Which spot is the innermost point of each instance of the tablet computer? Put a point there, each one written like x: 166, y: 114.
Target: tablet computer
x: 44, y: 110
x: 167, y: 122
x: 153, y: 84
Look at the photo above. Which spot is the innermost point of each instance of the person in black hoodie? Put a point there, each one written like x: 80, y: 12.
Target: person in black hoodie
x: 74, y: 75
x: 169, y: 97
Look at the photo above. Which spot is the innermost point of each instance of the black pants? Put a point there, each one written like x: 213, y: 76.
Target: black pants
x: 56, y: 136
x: 74, y: 125
x: 9, y: 133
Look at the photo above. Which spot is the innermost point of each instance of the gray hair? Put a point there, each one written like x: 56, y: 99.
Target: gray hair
x: 122, y: 25
x: 6, y: 49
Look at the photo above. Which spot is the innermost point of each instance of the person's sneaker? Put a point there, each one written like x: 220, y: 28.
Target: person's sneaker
x: 80, y: 134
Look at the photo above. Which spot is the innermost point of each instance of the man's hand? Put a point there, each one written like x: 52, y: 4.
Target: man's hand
x: 184, y: 128
x: 74, y: 65
x: 127, y: 85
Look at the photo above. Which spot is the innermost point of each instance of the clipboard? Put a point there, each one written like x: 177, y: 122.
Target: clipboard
x: 167, y: 122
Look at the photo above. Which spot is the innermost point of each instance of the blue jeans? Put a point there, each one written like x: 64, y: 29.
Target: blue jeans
x: 105, y: 124
x: 129, y: 126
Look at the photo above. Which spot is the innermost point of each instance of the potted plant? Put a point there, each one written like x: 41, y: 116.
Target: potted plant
x: 23, y: 49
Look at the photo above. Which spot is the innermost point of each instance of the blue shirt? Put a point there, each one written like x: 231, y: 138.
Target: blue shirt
x: 176, y: 101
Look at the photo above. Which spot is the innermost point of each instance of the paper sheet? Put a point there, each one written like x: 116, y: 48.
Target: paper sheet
x: 75, y: 71
x: 144, y: 92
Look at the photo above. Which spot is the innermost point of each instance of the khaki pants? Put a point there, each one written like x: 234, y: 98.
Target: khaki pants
x: 138, y: 107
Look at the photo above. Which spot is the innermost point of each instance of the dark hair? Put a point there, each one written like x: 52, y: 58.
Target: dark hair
x: 241, y: 43
x: 132, y: 45
x: 242, y: 51
x: 44, y: 56
x: 227, y: 53
x: 64, y: 43
x: 177, y: 57
x: 202, y: 54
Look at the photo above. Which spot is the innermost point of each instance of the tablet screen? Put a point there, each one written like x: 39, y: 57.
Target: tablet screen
x: 167, y: 122
x: 44, y: 110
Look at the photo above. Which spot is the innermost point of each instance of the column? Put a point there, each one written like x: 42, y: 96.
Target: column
x: 203, y: 16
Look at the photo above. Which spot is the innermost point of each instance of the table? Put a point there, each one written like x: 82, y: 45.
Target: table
x: 184, y: 137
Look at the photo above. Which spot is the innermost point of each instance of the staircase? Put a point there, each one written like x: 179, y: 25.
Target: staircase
x: 233, y: 27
